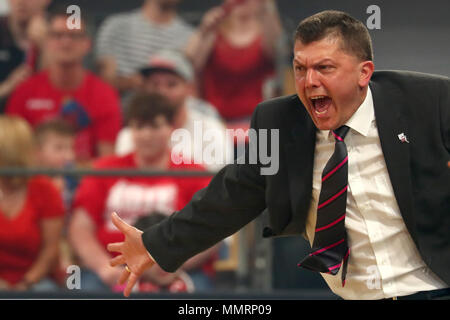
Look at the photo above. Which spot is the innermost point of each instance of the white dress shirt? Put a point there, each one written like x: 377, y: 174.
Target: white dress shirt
x: 384, y: 261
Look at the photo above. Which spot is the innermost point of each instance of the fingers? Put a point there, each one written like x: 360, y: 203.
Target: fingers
x: 132, y: 279
x: 115, y: 247
x: 131, y: 282
x: 119, y: 223
x: 117, y: 261
x: 124, y: 276
x: 213, y: 18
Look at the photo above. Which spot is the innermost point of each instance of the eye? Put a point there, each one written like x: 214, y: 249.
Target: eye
x: 299, y: 69
x: 325, y: 67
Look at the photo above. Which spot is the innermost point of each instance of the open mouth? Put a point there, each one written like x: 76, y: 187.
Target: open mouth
x: 321, y: 104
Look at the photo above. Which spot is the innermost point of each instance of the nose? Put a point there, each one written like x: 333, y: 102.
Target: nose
x: 163, y: 90
x: 312, y: 80
x: 156, y: 87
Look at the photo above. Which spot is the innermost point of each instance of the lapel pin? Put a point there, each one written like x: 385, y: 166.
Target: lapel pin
x: 402, y: 137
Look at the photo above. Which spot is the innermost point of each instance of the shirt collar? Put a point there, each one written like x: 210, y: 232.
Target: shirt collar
x: 361, y: 120
x: 363, y: 117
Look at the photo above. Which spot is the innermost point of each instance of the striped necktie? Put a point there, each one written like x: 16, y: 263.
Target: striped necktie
x: 330, y: 250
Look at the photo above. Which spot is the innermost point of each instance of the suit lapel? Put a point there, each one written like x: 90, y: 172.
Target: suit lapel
x: 299, y: 152
x: 390, y: 123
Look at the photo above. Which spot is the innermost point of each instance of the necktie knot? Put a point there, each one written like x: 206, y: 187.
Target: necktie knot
x: 340, y: 133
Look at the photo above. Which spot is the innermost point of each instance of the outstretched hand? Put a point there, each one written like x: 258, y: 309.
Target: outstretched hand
x: 132, y: 253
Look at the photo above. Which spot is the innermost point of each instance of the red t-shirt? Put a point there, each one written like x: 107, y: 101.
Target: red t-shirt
x: 133, y: 197
x: 233, y: 78
x: 93, y: 108
x: 20, y: 236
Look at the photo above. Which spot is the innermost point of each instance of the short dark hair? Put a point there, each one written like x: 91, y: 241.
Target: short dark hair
x: 56, y: 125
x: 353, y: 33
x: 60, y: 10
x: 145, y: 107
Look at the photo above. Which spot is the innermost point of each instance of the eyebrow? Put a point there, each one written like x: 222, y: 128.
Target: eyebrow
x: 320, y: 62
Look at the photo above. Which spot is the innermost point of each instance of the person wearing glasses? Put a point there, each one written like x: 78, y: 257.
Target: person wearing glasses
x: 64, y: 88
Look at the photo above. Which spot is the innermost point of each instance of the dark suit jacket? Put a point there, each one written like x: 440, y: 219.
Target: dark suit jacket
x: 415, y: 104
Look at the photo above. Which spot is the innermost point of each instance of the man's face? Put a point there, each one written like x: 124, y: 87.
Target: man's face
x: 23, y: 10
x: 56, y: 150
x: 151, y: 141
x: 170, y: 85
x: 331, y: 83
x: 66, y: 46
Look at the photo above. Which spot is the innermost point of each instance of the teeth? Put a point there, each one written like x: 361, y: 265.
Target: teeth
x: 315, y: 110
x: 320, y: 112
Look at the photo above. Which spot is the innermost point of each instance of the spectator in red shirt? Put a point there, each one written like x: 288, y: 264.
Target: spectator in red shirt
x: 55, y: 150
x: 54, y: 144
x: 31, y: 211
x: 234, y: 51
x: 151, y: 119
x: 67, y: 89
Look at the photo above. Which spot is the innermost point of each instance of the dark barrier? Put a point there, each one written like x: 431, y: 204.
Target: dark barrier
x: 106, y: 173
x: 250, y: 295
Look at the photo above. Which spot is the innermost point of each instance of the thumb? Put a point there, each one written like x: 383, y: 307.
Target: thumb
x: 119, y: 223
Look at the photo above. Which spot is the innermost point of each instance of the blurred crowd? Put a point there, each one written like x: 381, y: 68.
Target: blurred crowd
x: 154, y: 73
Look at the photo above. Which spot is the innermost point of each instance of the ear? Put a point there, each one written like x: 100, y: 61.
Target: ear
x: 36, y: 153
x: 366, y: 71
x: 88, y: 45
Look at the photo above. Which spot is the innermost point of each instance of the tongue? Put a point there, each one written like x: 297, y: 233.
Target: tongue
x: 322, y: 104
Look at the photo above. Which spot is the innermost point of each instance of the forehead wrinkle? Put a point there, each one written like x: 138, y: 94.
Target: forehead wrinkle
x: 322, y: 60
x: 331, y: 54
x: 315, y: 63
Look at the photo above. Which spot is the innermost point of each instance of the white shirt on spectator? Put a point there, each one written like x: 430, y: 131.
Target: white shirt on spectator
x: 131, y: 39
